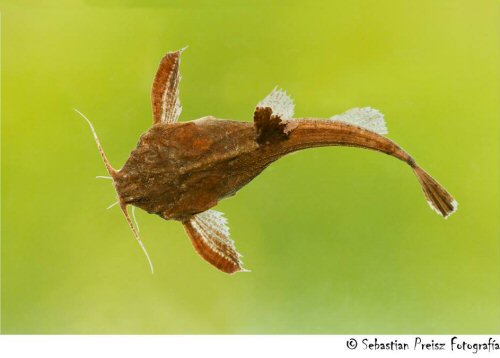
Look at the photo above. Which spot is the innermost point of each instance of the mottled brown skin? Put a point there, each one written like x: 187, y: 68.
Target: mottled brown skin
x: 181, y: 169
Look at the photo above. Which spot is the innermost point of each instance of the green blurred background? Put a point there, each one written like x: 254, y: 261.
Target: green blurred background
x: 339, y: 240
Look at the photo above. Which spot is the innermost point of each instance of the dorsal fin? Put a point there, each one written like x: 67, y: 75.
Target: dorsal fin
x: 209, y: 234
x: 269, y: 127
x: 280, y: 103
x: 366, y: 117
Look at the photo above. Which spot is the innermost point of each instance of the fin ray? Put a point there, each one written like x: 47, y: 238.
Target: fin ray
x: 438, y: 198
x: 209, y: 234
x: 280, y: 103
x: 165, y: 93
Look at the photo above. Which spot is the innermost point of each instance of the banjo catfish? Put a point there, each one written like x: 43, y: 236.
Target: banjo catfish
x: 181, y: 170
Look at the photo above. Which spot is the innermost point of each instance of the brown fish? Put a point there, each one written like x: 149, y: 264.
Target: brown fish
x: 180, y: 171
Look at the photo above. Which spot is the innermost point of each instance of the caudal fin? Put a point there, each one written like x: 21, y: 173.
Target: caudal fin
x: 438, y: 198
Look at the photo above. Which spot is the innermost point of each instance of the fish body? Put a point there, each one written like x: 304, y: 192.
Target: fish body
x: 180, y: 171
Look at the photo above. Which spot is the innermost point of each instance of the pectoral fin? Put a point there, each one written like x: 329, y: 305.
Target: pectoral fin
x: 209, y: 234
x: 165, y: 94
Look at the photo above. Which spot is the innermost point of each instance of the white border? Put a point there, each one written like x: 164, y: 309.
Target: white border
x: 230, y: 346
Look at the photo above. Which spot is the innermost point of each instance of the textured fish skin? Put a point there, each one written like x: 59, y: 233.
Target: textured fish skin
x: 181, y: 169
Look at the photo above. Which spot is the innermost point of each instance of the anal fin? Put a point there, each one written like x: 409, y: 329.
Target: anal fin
x: 209, y: 234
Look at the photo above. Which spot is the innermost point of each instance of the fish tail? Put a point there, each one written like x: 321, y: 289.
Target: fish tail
x: 438, y: 198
